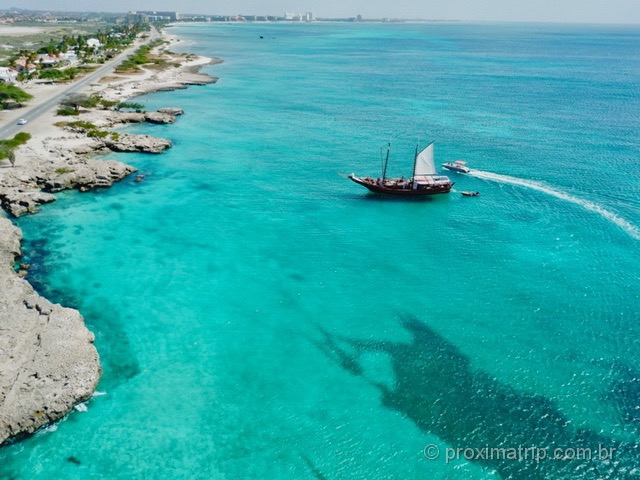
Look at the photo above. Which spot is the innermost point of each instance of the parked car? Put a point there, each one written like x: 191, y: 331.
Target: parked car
x: 22, y: 121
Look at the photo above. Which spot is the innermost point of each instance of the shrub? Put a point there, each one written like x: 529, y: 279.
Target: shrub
x: 82, y: 125
x: 13, y: 143
x: 108, y: 103
x: 130, y: 105
x: 51, y: 74
x: 67, y: 111
x: 97, y: 133
x: 22, y: 138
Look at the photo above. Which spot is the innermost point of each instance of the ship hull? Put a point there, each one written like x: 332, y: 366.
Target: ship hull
x: 401, y: 189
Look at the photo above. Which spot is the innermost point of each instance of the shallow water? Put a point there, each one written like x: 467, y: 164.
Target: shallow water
x: 260, y: 316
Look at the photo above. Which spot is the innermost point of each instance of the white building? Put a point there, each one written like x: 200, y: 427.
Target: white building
x: 70, y: 57
x: 8, y: 75
x: 299, y: 17
x: 93, y: 43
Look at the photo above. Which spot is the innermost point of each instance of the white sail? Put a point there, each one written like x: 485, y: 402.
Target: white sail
x: 425, y: 162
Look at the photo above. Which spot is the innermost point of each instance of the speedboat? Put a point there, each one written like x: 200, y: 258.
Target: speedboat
x: 470, y: 194
x: 459, y: 166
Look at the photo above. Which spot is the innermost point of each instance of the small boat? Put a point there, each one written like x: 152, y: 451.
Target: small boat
x: 459, y: 166
x: 424, y: 180
x: 470, y: 194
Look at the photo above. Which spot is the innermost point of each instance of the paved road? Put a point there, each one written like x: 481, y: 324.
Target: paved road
x: 9, y: 129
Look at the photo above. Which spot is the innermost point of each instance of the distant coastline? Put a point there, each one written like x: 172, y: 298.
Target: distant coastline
x: 49, y: 363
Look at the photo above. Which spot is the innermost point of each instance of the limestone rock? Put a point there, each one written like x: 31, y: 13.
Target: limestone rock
x: 103, y: 119
x: 48, y: 362
x: 127, y: 142
x: 158, y: 117
x: 10, y: 237
x: 18, y: 203
x: 91, y: 173
x: 171, y: 111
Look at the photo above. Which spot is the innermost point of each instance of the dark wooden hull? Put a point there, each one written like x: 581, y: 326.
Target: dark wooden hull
x: 400, y: 189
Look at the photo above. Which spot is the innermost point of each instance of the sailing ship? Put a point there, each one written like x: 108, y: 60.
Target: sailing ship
x: 424, y: 181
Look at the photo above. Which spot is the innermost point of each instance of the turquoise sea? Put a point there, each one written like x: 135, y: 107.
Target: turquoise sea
x: 259, y: 316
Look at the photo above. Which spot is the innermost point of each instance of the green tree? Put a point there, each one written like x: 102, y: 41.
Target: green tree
x: 56, y: 74
x: 130, y: 105
x: 77, y: 100
x: 11, y: 93
x: 6, y: 152
x: 12, y: 158
x: 51, y: 74
x: 7, y: 147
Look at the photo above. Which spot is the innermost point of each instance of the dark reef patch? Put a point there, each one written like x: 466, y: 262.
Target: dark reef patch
x: 436, y: 388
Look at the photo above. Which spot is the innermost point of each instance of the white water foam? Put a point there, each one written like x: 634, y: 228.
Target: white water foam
x: 49, y: 428
x: 613, y: 217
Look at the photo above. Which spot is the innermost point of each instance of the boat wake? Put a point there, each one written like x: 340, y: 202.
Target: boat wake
x: 612, y: 217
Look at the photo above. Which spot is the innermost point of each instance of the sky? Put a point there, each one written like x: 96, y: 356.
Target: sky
x: 582, y: 11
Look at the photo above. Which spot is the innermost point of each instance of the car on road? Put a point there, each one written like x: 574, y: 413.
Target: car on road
x: 22, y: 121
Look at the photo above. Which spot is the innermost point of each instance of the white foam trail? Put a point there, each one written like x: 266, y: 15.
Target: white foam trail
x: 49, y: 428
x: 613, y: 217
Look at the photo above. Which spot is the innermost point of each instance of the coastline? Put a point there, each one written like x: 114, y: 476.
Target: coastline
x: 48, y: 362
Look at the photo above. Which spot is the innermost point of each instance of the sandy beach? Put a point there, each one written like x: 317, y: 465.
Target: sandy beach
x: 48, y: 363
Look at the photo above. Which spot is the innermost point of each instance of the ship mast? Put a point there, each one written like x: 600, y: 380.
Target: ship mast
x: 415, y: 162
x: 386, y: 161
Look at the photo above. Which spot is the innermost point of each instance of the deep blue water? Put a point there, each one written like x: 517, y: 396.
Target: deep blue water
x: 260, y: 316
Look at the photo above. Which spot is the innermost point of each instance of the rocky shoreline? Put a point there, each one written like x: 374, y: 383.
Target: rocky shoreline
x: 66, y: 161
x: 48, y: 363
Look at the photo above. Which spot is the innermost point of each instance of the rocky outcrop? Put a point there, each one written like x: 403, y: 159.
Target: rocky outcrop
x: 48, y: 362
x: 85, y: 176
x: 18, y: 203
x: 159, y: 117
x: 22, y: 193
x: 68, y: 162
x: 126, y: 142
x: 111, y: 118
x: 171, y: 111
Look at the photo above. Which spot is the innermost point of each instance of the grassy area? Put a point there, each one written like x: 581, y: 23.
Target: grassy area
x: 11, y: 44
x: 89, y: 129
x: 142, y: 56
